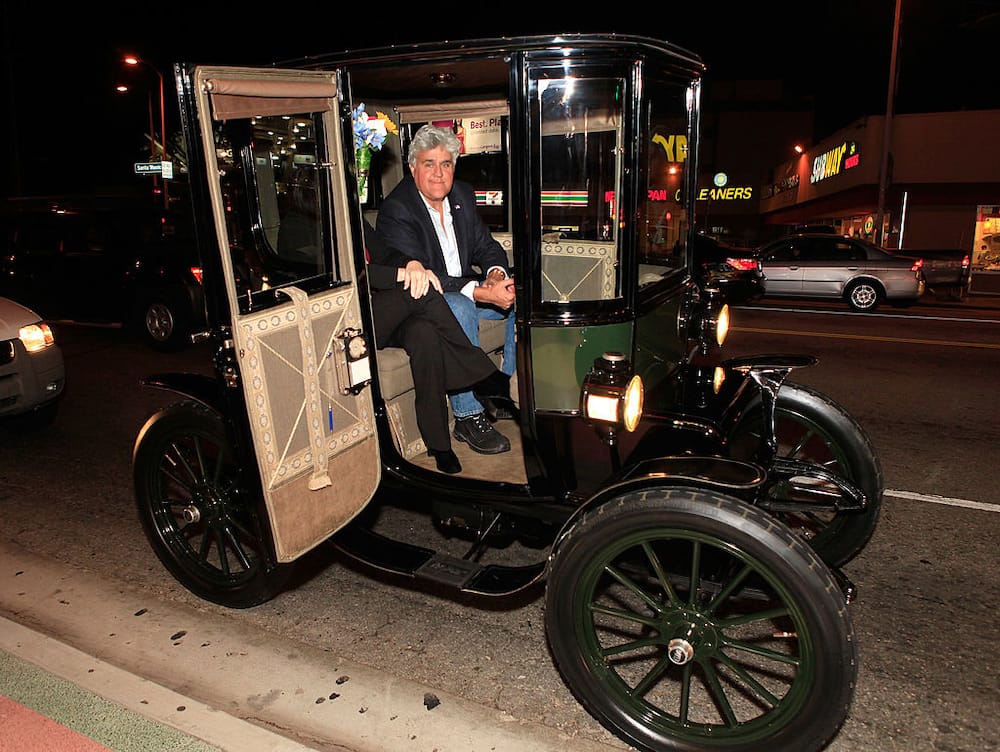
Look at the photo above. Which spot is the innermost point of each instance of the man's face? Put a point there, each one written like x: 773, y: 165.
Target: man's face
x: 434, y: 173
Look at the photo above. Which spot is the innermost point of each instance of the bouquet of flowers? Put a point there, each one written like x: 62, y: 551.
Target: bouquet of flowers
x: 369, y: 135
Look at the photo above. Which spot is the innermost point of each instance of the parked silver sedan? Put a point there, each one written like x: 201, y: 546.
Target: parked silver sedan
x: 835, y: 266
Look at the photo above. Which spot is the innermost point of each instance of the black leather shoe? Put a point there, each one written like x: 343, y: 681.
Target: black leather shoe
x: 499, y: 409
x: 446, y: 460
x: 480, y: 435
x: 494, y: 386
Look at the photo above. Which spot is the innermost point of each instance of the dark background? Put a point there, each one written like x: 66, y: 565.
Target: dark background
x: 65, y: 128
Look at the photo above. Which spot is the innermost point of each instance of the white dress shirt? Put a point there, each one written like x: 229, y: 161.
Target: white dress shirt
x: 449, y: 243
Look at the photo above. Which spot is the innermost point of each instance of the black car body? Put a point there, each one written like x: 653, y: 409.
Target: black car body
x: 664, y: 492
x: 736, y: 272
x: 104, y: 260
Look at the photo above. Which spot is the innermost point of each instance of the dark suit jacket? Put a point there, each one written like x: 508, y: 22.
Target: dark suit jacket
x: 405, y: 226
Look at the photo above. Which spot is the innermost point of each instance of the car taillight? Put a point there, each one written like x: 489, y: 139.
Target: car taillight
x: 743, y: 264
x: 196, y: 273
x: 965, y: 261
x: 917, y: 265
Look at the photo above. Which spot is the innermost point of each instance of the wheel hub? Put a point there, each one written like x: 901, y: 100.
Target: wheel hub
x: 691, y: 633
x: 207, y: 502
x: 680, y: 651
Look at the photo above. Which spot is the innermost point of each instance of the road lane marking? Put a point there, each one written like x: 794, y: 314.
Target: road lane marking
x: 868, y: 337
x: 870, y: 315
x: 934, y: 499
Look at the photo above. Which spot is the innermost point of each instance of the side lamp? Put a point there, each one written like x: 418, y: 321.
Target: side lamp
x: 611, y: 397
x: 705, y: 320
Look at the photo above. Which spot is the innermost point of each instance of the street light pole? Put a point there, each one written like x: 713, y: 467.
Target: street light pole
x: 133, y: 60
x: 123, y: 89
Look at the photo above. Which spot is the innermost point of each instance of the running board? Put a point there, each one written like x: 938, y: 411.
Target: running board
x: 428, y: 565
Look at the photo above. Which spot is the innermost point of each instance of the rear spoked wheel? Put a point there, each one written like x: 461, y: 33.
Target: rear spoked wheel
x: 685, y: 620
x: 196, y: 512
x: 810, y: 427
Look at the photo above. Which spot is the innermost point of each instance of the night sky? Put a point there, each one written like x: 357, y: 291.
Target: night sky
x: 65, y: 129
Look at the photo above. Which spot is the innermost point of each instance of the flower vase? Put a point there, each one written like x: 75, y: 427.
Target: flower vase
x: 363, y: 158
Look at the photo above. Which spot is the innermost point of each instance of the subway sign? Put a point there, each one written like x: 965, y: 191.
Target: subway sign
x: 835, y: 161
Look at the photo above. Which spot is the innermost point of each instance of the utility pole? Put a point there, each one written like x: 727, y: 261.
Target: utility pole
x: 883, y: 175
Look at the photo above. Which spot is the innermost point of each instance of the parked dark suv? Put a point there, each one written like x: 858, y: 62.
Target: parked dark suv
x: 105, y: 261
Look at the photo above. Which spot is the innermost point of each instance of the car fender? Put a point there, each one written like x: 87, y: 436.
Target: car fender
x: 863, y: 277
x: 203, y: 389
x: 720, y: 474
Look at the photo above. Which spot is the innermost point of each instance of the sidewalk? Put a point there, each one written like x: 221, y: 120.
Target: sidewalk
x: 93, y: 709
x: 985, y: 283
x: 217, y: 682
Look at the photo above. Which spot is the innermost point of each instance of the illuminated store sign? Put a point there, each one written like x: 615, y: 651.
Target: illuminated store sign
x: 723, y: 191
x: 675, y: 146
x: 833, y: 162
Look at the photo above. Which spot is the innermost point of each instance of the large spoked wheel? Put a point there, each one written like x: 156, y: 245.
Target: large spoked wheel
x: 686, y: 620
x: 195, y: 510
x: 813, y: 428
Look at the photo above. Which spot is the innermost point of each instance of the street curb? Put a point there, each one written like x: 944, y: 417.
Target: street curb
x: 309, y: 696
x: 134, y: 694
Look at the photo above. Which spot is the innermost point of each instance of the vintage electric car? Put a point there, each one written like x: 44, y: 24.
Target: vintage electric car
x: 686, y: 514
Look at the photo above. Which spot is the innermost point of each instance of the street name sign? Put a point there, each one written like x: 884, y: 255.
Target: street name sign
x: 166, y: 169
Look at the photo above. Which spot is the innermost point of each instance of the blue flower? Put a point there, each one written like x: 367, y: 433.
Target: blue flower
x: 368, y: 131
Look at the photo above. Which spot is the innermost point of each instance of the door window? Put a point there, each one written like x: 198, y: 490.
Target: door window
x: 581, y: 179
x: 274, y: 199
x: 663, y: 218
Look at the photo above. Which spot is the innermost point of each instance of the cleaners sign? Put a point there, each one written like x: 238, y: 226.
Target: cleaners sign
x: 722, y: 191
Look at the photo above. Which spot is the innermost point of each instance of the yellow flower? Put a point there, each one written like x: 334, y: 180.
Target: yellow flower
x: 389, y: 125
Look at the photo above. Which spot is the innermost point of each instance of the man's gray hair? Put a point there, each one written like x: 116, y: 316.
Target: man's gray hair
x: 430, y: 137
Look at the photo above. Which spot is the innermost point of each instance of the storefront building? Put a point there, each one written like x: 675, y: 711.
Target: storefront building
x: 942, y: 188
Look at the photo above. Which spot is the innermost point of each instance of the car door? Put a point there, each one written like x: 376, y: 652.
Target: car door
x: 781, y: 264
x: 278, y: 185
x: 827, y: 264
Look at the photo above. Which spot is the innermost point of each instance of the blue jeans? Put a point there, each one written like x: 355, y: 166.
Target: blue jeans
x: 468, y: 314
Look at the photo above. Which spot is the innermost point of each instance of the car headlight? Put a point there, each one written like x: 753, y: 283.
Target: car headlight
x: 612, y: 394
x: 718, y: 379
x: 720, y: 324
x: 36, y: 337
x: 705, y: 319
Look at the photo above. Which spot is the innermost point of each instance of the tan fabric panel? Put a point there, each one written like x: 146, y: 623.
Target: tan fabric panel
x: 292, y: 397
x: 423, y: 113
x: 593, y: 121
x: 239, y: 98
x: 275, y: 372
x: 301, y: 518
x: 578, y: 270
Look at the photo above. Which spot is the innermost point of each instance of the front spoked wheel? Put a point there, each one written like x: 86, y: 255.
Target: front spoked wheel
x: 196, y: 512
x: 812, y: 428
x: 686, y: 620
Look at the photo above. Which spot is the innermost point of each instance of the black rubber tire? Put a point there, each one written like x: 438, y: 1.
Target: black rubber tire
x: 183, y: 464
x: 760, y: 657
x: 812, y: 427
x: 864, y: 295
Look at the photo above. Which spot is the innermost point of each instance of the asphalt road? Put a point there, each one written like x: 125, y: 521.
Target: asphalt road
x: 924, y: 388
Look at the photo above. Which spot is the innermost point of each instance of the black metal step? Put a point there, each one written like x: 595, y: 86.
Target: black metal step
x: 390, y: 555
